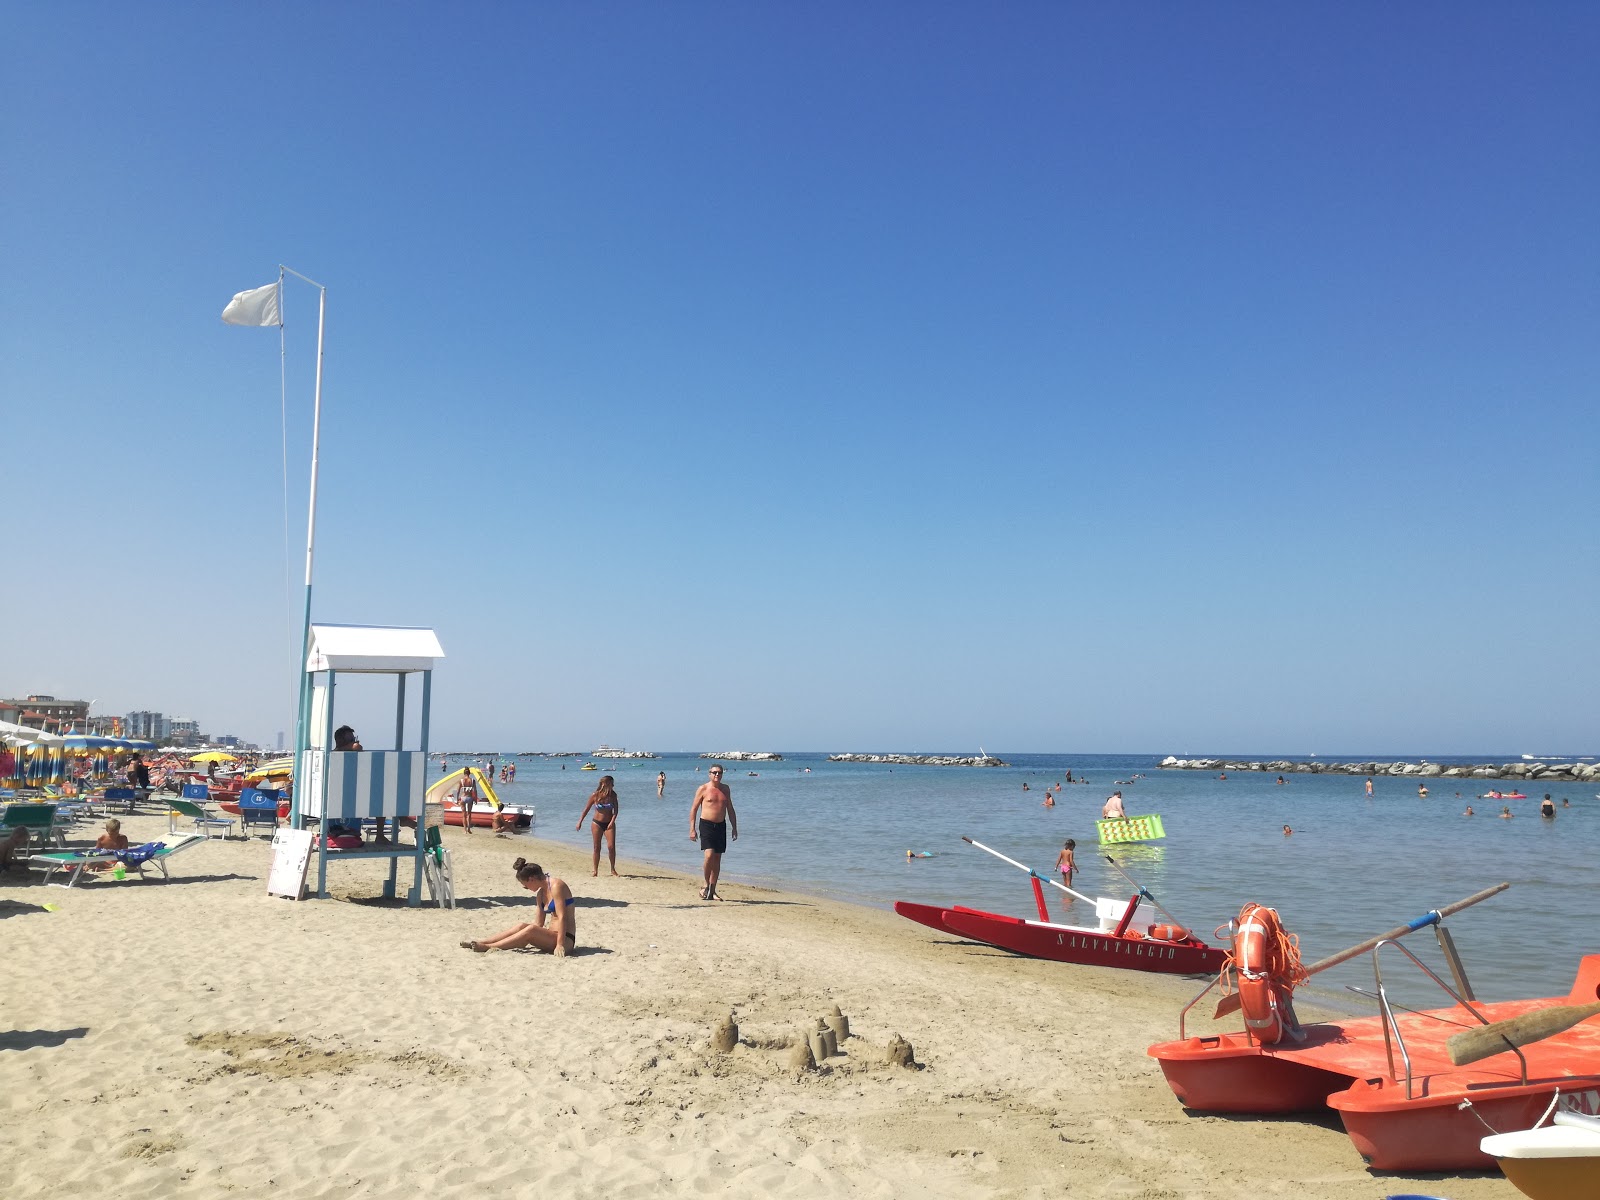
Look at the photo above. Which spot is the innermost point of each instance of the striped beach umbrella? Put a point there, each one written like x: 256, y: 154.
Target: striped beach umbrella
x: 87, y: 741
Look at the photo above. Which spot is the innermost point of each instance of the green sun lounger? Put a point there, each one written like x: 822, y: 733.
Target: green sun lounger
x: 75, y: 862
x: 40, y: 820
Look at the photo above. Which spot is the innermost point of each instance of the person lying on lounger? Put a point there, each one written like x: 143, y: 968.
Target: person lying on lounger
x: 555, y: 903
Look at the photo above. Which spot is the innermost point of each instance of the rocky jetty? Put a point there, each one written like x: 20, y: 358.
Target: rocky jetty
x: 746, y: 756
x: 922, y: 760
x: 1521, y: 772
x: 617, y: 752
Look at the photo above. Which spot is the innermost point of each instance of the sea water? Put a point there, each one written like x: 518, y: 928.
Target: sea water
x: 1353, y: 868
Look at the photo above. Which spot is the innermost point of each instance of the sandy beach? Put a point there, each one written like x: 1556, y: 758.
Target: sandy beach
x: 201, y: 1038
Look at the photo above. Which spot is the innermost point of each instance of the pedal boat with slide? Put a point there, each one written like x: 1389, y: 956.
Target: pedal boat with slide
x: 443, y: 793
x: 1114, y: 941
x: 1417, y: 1090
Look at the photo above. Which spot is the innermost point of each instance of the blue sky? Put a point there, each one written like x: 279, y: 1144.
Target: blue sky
x: 1050, y: 376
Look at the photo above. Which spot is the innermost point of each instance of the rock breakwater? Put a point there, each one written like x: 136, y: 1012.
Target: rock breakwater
x: 922, y: 760
x: 746, y: 756
x: 1573, y: 772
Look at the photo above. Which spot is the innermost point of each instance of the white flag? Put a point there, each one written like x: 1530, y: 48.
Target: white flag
x: 258, y: 306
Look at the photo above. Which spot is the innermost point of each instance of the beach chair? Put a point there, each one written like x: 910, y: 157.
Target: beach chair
x: 73, y: 862
x: 156, y: 854
x: 192, y: 807
x: 120, y: 795
x: 76, y: 862
x: 258, y: 806
x: 40, y: 820
x: 437, y: 871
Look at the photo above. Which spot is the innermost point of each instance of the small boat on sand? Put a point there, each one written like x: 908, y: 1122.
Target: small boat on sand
x: 1113, y: 941
x: 1551, y: 1162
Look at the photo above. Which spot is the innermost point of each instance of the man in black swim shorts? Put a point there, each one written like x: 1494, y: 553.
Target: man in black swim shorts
x: 711, y: 820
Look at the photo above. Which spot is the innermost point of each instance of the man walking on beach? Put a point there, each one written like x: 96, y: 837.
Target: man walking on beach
x: 711, y: 819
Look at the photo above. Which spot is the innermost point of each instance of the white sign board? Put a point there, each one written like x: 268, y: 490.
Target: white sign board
x: 291, y: 855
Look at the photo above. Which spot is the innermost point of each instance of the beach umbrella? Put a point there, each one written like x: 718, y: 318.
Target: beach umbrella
x: 137, y: 743
x: 213, y: 756
x: 18, y: 735
x: 46, y: 764
x: 276, y: 768
x: 86, y: 741
x: 11, y: 766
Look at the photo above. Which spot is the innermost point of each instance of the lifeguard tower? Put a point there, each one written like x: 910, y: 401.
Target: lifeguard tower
x: 356, y: 785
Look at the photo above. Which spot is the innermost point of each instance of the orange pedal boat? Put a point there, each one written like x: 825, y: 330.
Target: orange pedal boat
x: 1404, y: 1103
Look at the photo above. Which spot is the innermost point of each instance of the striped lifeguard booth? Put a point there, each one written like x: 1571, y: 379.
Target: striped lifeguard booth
x: 351, y: 786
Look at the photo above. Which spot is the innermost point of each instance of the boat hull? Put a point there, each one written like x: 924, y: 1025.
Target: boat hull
x: 483, y: 817
x: 1068, y: 943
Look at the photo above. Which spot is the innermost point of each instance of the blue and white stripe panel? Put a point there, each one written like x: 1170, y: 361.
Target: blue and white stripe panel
x: 367, y: 783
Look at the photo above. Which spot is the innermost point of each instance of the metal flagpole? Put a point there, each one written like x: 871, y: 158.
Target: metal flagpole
x: 302, y: 735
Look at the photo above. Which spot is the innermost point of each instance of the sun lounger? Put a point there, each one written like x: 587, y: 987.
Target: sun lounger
x: 204, y: 820
x: 120, y: 795
x: 76, y: 862
x: 40, y: 820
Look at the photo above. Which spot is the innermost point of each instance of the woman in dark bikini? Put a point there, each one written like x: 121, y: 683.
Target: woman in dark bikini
x: 555, y: 902
x: 604, y: 802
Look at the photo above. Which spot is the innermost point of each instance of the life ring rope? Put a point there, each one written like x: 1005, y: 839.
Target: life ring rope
x: 1265, y: 961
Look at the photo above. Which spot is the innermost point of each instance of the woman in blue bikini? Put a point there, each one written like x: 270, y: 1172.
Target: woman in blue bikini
x: 555, y: 903
x: 604, y: 802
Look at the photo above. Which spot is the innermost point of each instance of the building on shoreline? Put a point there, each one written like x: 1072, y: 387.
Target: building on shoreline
x: 45, y: 713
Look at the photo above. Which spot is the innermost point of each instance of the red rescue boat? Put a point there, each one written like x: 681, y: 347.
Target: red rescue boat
x: 1113, y: 941
x: 1134, y: 949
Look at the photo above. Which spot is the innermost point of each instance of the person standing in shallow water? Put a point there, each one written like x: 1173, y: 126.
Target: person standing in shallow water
x: 603, y: 800
x: 661, y: 783
x: 711, y: 818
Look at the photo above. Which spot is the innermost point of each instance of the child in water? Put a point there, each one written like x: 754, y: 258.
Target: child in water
x: 1065, y: 863
x: 1068, y: 866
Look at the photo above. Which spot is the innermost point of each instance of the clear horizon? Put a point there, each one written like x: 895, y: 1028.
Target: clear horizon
x: 889, y: 375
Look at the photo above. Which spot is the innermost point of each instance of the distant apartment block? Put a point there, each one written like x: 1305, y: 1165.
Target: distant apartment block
x: 151, y: 726
x: 45, y: 712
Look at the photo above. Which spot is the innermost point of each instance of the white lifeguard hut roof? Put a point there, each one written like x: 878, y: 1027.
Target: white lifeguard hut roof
x: 381, y: 648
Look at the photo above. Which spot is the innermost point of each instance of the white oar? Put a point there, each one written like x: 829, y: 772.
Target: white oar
x: 1144, y: 892
x: 1029, y: 870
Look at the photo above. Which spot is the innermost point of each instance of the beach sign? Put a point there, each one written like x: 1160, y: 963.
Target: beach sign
x: 291, y: 855
x: 1131, y: 829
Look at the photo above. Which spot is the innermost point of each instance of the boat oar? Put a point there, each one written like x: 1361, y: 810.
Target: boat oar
x: 1144, y: 892
x: 1029, y: 870
x: 1230, y: 1003
x: 1470, y: 1045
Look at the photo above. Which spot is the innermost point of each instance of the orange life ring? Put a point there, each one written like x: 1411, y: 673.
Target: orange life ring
x: 1253, y: 944
x: 1168, y: 933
